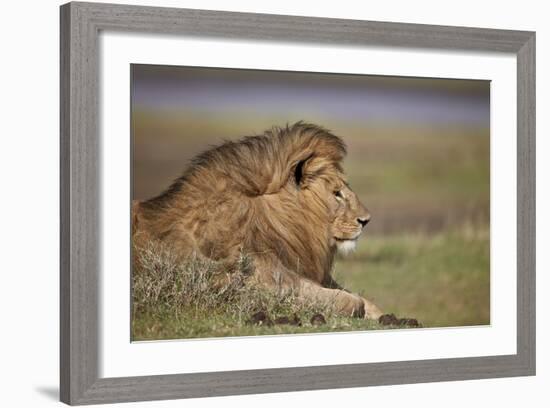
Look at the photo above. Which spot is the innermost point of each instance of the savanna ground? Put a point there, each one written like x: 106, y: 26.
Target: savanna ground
x: 425, y: 254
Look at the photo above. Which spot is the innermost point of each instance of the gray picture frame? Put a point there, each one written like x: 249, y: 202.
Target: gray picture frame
x: 80, y: 237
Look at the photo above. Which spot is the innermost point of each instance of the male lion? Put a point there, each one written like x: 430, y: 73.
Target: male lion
x: 280, y: 197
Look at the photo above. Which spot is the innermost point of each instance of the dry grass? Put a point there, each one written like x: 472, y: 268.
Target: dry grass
x: 160, y: 279
x: 197, y: 292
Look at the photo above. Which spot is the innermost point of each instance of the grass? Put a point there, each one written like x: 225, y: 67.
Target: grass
x: 207, y: 325
x: 441, y: 280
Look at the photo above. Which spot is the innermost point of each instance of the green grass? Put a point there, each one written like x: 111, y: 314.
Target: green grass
x: 441, y: 280
x: 190, y: 324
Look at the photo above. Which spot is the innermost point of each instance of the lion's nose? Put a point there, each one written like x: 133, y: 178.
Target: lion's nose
x: 363, y: 221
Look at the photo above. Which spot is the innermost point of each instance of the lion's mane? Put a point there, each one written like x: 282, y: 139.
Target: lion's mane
x: 255, y: 196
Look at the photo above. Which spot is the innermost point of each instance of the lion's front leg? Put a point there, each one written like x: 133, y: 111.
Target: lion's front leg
x: 277, y: 277
x: 343, y: 302
x: 371, y: 311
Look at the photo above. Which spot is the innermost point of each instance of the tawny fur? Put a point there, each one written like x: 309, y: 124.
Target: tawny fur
x: 279, y: 197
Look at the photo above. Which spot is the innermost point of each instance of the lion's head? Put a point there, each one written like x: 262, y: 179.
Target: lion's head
x: 281, y: 194
x: 322, y: 185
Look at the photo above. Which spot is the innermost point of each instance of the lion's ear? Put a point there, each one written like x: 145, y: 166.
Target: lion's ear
x: 300, y: 172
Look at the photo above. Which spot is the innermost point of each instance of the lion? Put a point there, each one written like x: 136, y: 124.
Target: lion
x: 281, y: 197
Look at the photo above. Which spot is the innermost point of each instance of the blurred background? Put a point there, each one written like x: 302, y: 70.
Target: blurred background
x: 418, y: 158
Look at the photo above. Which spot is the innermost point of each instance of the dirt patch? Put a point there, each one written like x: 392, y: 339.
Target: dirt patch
x: 260, y: 318
x: 392, y: 320
x: 318, y: 319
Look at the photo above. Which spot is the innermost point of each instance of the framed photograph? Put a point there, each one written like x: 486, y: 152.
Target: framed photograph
x: 260, y: 203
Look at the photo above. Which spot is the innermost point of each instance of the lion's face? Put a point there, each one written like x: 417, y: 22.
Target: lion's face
x: 349, y: 216
x: 324, y: 182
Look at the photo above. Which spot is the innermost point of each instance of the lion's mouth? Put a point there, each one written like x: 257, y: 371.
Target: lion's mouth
x: 351, y: 239
x: 345, y: 239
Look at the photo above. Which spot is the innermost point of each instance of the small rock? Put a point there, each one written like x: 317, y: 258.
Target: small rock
x: 260, y: 318
x: 318, y: 319
x: 409, y: 322
x: 388, y: 320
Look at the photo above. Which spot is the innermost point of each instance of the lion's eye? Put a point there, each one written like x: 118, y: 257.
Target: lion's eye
x: 338, y: 194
